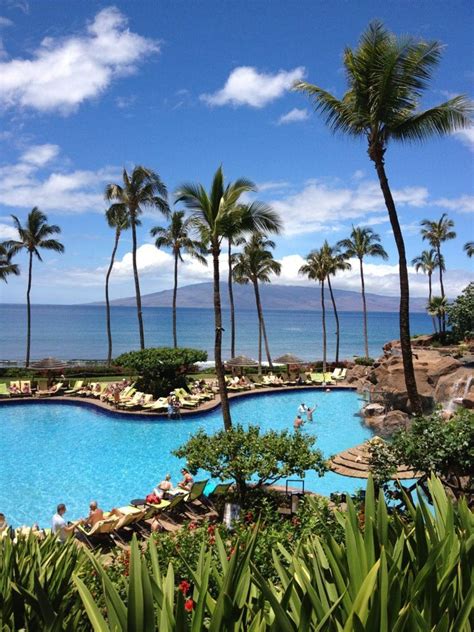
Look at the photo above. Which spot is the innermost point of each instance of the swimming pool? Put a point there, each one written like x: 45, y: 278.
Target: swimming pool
x: 61, y: 452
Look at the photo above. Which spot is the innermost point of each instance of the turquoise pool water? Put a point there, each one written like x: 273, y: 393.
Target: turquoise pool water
x: 60, y: 452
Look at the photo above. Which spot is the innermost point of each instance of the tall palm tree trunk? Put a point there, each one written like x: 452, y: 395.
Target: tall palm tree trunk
x: 107, y: 299
x: 137, y: 285
x: 259, y: 347
x: 323, y: 310
x: 405, y: 340
x: 175, y: 295
x: 364, y: 309
x: 262, y: 323
x: 441, y: 285
x: 336, y: 317
x: 231, y: 302
x: 28, y: 311
x: 218, y: 340
x: 430, y: 295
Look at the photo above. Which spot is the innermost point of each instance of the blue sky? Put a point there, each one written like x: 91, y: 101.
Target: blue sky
x: 181, y: 87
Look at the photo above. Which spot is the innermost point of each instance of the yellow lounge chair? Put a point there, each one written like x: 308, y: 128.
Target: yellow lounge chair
x: 77, y: 387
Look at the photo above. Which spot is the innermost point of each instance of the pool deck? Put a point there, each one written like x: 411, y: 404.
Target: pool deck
x: 203, y: 408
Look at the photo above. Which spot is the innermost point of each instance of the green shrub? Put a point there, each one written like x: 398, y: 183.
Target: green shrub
x: 161, y: 369
x: 363, y: 361
x: 461, y: 314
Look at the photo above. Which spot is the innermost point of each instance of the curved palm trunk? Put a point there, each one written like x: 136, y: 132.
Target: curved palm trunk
x: 137, y: 285
x: 336, y: 317
x: 441, y: 285
x: 107, y: 300
x: 175, y: 295
x: 28, y: 311
x: 231, y: 302
x: 218, y: 340
x: 405, y: 341
x: 430, y: 295
x: 323, y: 310
x: 364, y: 308
x: 262, y: 323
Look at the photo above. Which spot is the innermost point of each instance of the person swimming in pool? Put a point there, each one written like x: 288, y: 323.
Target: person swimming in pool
x: 309, y: 413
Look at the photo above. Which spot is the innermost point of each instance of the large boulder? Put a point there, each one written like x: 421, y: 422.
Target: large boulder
x: 386, y: 425
x: 456, y: 386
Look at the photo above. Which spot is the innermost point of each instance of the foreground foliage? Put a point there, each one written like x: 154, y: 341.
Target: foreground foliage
x: 249, y: 456
x: 388, y: 574
x: 161, y: 369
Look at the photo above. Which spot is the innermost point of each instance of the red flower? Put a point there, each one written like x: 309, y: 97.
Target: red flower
x: 192, y: 526
x: 212, y: 540
x: 211, y: 529
x: 249, y: 517
x: 189, y: 605
x: 184, y: 587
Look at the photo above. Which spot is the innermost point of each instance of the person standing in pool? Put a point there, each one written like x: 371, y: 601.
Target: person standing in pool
x: 298, y: 423
x: 301, y: 409
x: 309, y: 413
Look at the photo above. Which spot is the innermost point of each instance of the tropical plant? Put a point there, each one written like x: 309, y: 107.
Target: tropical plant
x: 248, y: 456
x: 117, y: 217
x: 336, y: 263
x: 436, y: 233
x: 212, y: 212
x: 143, y: 188
x: 427, y: 262
x: 178, y: 237
x: 437, y: 309
x: 36, y: 587
x: 469, y: 248
x: 318, y: 269
x: 33, y: 237
x: 390, y: 573
x: 461, y: 314
x: 255, y: 264
x: 386, y: 78
x: 6, y: 265
x: 160, y: 370
x: 363, y: 242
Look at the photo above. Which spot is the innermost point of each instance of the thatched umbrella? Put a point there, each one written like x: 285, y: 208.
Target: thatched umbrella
x: 355, y: 462
x: 240, y: 362
x: 290, y: 360
x: 48, y: 366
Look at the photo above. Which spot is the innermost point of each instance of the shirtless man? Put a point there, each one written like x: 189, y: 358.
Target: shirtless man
x: 298, y: 422
x: 309, y: 413
x: 95, y: 514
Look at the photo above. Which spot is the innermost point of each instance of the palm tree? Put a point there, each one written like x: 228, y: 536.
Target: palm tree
x: 6, y: 265
x: 437, y: 308
x: 143, y: 188
x: 336, y: 263
x: 177, y: 236
x: 469, y: 248
x: 117, y: 217
x: 386, y: 78
x: 234, y: 233
x: 318, y: 268
x: 363, y: 242
x: 212, y: 211
x: 427, y: 263
x: 33, y: 237
x: 437, y: 233
x: 255, y: 264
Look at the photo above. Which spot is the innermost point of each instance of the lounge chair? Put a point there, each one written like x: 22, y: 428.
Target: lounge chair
x: 103, y: 385
x: 220, y: 489
x: 4, y: 392
x: 123, y: 525
x: 77, y: 387
x: 159, y: 404
x: 343, y: 374
x: 336, y: 374
x: 167, y: 516
x: 328, y: 378
x: 54, y: 390
x: 146, y: 399
x: 86, y: 389
x: 186, y: 403
x: 133, y: 401
x: 317, y: 378
x: 100, y: 533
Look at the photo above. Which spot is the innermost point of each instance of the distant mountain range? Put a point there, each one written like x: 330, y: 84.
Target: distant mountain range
x: 283, y: 297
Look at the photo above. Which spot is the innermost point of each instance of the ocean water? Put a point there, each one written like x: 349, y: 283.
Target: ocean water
x: 62, y: 452
x: 78, y: 332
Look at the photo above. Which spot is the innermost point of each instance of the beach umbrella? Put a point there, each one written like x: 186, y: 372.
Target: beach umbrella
x: 240, y: 362
x: 291, y: 361
x: 47, y: 366
x: 355, y: 462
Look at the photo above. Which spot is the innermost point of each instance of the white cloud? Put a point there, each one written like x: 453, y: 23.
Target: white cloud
x: 7, y: 232
x: 294, y: 116
x: 247, y: 86
x: 461, y: 204
x: 61, y: 191
x: 320, y: 207
x: 380, y: 278
x: 64, y: 72
x: 466, y: 136
x: 124, y: 103
x: 5, y: 22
